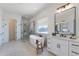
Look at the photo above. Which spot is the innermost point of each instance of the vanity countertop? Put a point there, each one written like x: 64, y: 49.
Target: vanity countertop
x: 75, y: 40
x: 67, y: 38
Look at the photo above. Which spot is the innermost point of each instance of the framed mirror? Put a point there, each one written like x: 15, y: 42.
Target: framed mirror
x: 65, y: 22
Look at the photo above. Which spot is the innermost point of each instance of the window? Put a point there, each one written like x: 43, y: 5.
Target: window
x: 42, y: 29
x: 42, y: 25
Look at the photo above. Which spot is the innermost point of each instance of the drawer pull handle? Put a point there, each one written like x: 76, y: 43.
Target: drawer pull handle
x: 75, y: 52
x: 74, y: 45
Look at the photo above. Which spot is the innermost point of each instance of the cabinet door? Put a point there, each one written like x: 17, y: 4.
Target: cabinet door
x: 58, y: 46
x: 63, y: 48
x: 52, y: 45
x: 55, y: 48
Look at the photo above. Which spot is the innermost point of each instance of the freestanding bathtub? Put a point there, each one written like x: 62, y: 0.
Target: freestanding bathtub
x: 33, y: 39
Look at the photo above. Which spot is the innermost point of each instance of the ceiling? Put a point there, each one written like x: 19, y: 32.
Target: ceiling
x: 24, y: 8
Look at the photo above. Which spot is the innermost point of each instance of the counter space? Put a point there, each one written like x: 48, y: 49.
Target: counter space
x: 65, y: 38
x: 75, y: 40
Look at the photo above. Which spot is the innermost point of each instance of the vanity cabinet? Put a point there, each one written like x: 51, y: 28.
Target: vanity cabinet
x: 57, y: 46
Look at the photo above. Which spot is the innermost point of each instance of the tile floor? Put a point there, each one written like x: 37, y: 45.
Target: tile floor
x: 21, y: 48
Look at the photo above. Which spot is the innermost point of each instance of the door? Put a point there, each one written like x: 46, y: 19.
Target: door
x: 12, y: 30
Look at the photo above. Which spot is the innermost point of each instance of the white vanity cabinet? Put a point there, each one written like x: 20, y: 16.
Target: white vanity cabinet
x: 63, y: 47
x: 58, y: 46
x: 74, y: 48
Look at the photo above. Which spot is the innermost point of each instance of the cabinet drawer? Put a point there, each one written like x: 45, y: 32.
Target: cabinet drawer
x: 73, y: 52
x: 74, y: 45
x: 73, y: 49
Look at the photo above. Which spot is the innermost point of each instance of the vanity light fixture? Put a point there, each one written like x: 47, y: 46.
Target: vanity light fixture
x: 64, y: 7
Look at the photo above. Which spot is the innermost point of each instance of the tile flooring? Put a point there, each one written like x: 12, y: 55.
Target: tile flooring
x: 20, y: 48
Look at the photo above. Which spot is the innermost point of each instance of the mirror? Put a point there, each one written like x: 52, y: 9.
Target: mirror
x: 65, y: 21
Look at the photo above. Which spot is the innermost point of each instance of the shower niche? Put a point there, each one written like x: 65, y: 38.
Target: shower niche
x: 65, y: 22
